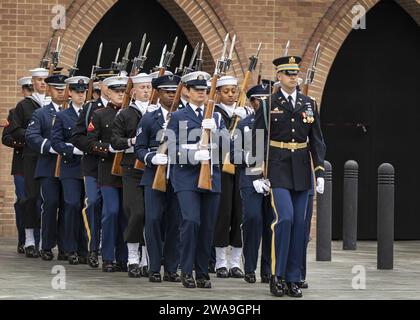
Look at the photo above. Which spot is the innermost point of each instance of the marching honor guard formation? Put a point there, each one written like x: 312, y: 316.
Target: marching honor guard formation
x: 185, y: 171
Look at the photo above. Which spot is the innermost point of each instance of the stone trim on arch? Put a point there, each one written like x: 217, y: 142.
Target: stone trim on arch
x: 200, y: 20
x: 331, y: 32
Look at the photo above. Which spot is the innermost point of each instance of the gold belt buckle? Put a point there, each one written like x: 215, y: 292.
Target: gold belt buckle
x: 293, y: 145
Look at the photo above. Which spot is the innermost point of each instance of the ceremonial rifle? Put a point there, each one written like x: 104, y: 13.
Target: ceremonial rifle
x: 72, y: 72
x: 92, y: 74
x: 222, y: 65
x: 160, y: 181
x: 310, y: 74
x: 228, y: 167
x: 138, y: 63
x: 165, y: 62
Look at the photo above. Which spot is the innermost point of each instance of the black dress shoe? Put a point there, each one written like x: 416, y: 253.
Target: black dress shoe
x: 47, y: 255
x: 277, y: 286
x: 171, y: 277
x: 250, y: 277
x: 293, y: 290
x: 145, y: 271
x: 21, y: 249
x: 303, y: 284
x: 134, y: 270
x: 108, y: 266
x: 73, y: 258
x: 62, y: 256
x: 121, y: 267
x: 265, y: 278
x: 222, y: 272
x: 212, y: 267
x: 83, y: 259
x: 236, y: 273
x: 203, y: 283
x: 93, y: 260
x: 187, y: 280
x: 155, y: 277
x: 31, y: 252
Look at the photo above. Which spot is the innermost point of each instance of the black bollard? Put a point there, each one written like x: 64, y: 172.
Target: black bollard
x: 323, y: 218
x: 351, y: 172
x: 386, y: 192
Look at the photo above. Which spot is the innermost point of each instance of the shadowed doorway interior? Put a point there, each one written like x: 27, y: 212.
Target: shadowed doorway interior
x: 370, y: 114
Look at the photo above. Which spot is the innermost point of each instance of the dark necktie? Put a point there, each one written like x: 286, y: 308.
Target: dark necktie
x: 200, y: 114
x: 60, y: 108
x: 291, y: 101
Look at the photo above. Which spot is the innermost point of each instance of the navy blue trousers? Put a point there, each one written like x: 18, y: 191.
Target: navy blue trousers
x: 114, y: 223
x: 308, y: 219
x: 162, y: 209
x: 255, y: 224
x: 92, y: 213
x: 52, y: 222
x: 73, y: 235
x: 288, y: 229
x: 199, y: 213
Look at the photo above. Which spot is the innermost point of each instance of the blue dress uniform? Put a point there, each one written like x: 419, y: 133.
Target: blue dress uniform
x: 113, y: 220
x: 75, y: 243
x: 256, y: 216
x: 93, y: 198
x: 38, y: 137
x: 295, y: 135
x: 162, y: 213
x: 199, y: 207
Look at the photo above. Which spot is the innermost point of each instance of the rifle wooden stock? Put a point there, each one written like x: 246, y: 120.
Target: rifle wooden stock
x: 204, y: 180
x: 305, y: 89
x: 116, y: 165
x: 228, y: 167
x: 90, y: 90
x: 65, y: 106
x: 159, y: 181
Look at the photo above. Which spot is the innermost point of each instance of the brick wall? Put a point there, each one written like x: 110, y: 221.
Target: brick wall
x: 25, y: 27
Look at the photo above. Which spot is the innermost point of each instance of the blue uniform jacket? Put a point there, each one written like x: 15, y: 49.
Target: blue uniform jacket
x: 185, y: 175
x: 61, y: 133
x: 38, y: 135
x: 247, y: 174
x: 147, y: 143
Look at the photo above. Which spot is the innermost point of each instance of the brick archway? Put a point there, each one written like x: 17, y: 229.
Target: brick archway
x: 331, y: 32
x: 200, y: 20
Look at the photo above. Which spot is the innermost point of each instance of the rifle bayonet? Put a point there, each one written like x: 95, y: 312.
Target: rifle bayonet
x: 220, y: 65
x: 74, y: 68
x: 125, y: 59
x: 45, y: 60
x: 178, y: 70
x: 310, y: 74
x: 114, y: 64
x: 170, y: 54
x: 286, y: 49
x: 254, y: 59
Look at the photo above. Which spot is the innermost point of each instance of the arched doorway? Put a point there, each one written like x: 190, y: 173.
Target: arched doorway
x: 369, y: 114
x: 126, y: 21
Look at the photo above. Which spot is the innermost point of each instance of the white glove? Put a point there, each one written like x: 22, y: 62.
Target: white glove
x: 160, y: 159
x: 320, y: 185
x: 112, y: 150
x: 77, y: 152
x: 209, y: 124
x: 202, y: 155
x: 52, y: 151
x: 250, y: 110
x: 132, y: 141
x: 151, y: 108
x: 240, y: 112
x: 165, y: 124
x: 261, y: 186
